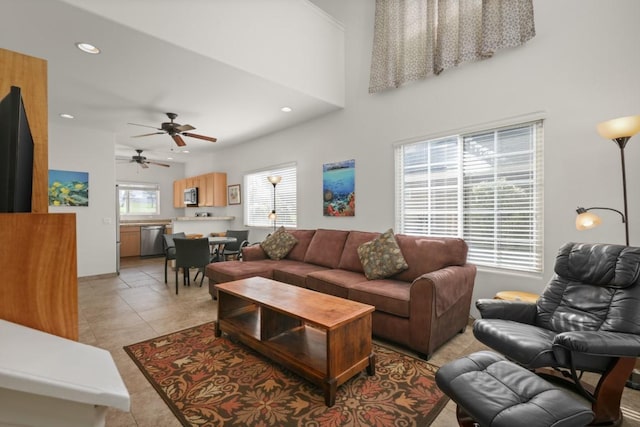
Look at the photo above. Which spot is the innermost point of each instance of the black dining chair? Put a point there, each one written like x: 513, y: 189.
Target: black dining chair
x: 191, y: 253
x: 235, y: 249
x: 169, y: 249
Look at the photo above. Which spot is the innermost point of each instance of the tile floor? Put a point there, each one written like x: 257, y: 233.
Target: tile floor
x: 138, y: 305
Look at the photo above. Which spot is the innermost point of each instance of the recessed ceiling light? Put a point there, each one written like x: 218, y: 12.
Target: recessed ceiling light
x: 67, y: 116
x: 169, y: 158
x: 88, y: 48
x: 185, y: 151
x: 286, y: 109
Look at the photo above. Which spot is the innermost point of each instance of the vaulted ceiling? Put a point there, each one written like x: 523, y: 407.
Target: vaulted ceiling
x: 226, y: 67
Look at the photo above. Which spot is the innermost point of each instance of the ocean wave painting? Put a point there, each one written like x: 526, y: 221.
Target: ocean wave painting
x: 338, y: 188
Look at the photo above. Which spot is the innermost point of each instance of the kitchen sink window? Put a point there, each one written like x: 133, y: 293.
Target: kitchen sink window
x: 139, y: 199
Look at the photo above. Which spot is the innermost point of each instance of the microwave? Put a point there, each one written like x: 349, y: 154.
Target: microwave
x: 191, y: 196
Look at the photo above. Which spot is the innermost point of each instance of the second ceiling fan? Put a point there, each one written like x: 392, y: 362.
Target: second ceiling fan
x: 175, y: 130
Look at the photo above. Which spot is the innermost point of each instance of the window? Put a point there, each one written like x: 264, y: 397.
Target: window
x: 260, y: 193
x: 485, y: 187
x: 139, y: 199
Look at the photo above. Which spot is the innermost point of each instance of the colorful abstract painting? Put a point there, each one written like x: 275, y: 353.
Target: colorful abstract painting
x: 68, y: 188
x: 338, y: 188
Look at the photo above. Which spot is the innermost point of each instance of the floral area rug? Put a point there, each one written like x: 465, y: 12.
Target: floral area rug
x: 209, y: 381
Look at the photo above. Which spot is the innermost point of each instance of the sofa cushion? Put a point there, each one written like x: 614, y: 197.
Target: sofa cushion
x: 427, y: 254
x: 350, y: 259
x: 388, y: 296
x: 326, y: 247
x: 227, y: 271
x: 294, y: 272
x: 278, y: 244
x: 381, y: 257
x: 334, y: 282
x: 300, y: 249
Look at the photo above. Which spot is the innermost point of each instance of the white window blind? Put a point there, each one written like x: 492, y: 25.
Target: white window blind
x: 485, y: 187
x: 139, y: 199
x: 259, y: 196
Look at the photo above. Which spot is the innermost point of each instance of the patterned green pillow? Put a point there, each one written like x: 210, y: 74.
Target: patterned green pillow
x: 278, y: 245
x: 382, y: 257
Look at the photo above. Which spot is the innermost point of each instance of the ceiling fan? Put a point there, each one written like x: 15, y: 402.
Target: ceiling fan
x: 142, y: 161
x: 175, y: 130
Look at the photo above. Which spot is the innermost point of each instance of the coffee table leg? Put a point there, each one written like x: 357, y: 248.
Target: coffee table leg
x: 371, y: 369
x: 330, y: 388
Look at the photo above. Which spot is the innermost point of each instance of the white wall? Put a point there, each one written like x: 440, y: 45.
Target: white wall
x: 580, y: 69
x: 89, y: 151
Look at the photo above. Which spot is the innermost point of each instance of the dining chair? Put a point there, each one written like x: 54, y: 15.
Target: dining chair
x: 235, y: 248
x: 191, y: 253
x: 169, y: 249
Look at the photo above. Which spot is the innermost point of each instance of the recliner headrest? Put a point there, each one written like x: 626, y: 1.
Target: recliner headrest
x: 599, y: 264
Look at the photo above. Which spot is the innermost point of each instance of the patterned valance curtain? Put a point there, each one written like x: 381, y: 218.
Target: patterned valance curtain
x: 414, y: 39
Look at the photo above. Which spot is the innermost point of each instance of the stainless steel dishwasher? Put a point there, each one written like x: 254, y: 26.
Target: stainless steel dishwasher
x: 151, y: 240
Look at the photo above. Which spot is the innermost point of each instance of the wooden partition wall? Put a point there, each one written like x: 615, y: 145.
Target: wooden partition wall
x: 38, y: 259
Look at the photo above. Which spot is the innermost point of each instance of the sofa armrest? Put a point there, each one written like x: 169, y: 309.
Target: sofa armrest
x: 518, y: 311
x: 449, y: 285
x: 439, y: 306
x: 253, y: 253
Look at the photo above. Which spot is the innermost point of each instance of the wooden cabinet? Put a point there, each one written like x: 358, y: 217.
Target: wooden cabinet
x: 212, y: 189
x: 129, y: 240
x: 178, y: 193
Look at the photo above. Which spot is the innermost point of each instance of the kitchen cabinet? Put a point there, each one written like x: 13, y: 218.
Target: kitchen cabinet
x: 178, y: 193
x: 129, y: 240
x: 212, y: 189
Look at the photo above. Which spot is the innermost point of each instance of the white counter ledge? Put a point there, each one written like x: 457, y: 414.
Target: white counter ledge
x: 44, y: 378
x: 204, y: 218
x: 201, y: 224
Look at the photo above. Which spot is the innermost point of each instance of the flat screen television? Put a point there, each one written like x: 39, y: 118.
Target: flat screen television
x: 16, y: 155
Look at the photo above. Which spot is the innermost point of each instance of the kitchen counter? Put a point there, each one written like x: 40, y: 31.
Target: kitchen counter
x: 204, y: 218
x: 143, y: 222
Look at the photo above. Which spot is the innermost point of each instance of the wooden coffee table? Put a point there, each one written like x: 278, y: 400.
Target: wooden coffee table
x: 322, y: 338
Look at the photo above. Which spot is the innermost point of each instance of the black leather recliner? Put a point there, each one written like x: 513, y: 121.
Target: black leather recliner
x: 586, y: 320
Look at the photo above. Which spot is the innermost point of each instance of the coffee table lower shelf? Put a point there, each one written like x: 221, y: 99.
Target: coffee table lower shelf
x: 325, y: 357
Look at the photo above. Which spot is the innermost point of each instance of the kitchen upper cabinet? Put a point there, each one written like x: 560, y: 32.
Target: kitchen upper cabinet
x: 178, y: 193
x: 212, y: 189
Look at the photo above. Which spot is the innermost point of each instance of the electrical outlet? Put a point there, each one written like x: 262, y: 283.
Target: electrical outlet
x: 106, y: 220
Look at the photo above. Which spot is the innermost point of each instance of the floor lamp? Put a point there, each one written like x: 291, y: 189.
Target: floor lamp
x: 274, y: 180
x: 619, y: 130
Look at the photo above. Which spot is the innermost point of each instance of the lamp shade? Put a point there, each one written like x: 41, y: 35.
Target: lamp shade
x: 620, y: 127
x: 274, y: 179
x: 272, y: 216
x: 587, y: 220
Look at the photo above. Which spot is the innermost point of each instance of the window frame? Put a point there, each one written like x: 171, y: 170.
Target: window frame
x: 457, y: 225
x: 128, y: 187
x: 259, y: 197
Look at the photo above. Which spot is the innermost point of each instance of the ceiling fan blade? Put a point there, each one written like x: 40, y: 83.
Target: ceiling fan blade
x: 147, y: 134
x: 144, y: 126
x: 183, y: 128
x: 159, y: 164
x: 194, y: 135
x: 179, y: 141
x: 144, y: 165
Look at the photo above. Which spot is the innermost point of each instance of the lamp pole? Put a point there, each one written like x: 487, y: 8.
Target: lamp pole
x: 274, y: 180
x: 622, y: 142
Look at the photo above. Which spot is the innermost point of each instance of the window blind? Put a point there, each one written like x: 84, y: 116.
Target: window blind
x: 485, y: 187
x: 259, y: 196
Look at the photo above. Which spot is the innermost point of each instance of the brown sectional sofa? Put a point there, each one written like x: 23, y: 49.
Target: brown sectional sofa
x: 420, y: 308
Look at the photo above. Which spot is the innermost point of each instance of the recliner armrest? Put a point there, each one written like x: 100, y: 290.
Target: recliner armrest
x: 600, y: 343
x: 518, y: 311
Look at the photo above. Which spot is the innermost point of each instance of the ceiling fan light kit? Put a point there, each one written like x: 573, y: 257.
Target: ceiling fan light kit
x: 175, y: 130
x: 143, y: 162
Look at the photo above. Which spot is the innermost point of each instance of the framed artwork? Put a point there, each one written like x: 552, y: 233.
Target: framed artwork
x: 68, y: 188
x: 233, y: 194
x: 338, y: 188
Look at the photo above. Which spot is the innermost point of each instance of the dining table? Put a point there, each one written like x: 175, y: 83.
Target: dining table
x: 219, y: 242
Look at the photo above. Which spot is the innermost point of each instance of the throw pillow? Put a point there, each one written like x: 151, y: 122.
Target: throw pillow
x: 278, y: 245
x: 381, y: 257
